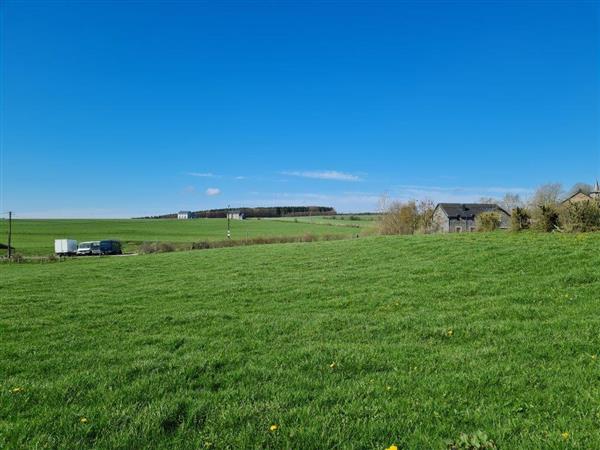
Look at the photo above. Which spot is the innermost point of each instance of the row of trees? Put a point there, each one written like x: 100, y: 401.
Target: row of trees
x: 543, y: 211
x: 269, y: 211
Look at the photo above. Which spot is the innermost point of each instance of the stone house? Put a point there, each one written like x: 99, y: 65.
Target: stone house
x: 581, y: 196
x: 461, y: 217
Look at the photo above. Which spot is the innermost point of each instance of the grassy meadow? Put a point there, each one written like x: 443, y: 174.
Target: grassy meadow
x: 36, y: 237
x: 339, y: 220
x: 355, y: 344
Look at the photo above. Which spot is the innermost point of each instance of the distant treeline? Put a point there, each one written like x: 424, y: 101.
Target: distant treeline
x: 271, y: 211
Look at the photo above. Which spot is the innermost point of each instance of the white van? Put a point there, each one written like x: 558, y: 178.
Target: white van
x: 88, y: 248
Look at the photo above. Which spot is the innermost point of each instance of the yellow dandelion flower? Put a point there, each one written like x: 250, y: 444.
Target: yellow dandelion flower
x: 274, y: 427
x: 333, y: 365
x: 84, y: 420
x: 16, y: 390
x: 450, y: 332
x: 392, y: 447
x: 565, y: 435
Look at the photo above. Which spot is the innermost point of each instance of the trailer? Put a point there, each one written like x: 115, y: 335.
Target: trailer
x: 65, y: 247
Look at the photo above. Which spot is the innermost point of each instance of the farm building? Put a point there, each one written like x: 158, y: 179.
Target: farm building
x: 581, y: 196
x: 185, y: 215
x: 235, y: 215
x: 461, y: 217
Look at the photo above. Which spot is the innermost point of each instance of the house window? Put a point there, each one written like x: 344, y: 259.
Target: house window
x: 458, y: 229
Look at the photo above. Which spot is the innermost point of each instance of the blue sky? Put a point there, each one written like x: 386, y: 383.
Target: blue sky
x: 122, y: 109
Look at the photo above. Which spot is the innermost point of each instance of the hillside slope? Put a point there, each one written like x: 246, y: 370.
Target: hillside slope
x: 36, y: 237
x: 348, y: 344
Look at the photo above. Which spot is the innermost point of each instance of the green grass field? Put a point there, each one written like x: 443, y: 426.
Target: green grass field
x: 358, y: 344
x: 36, y: 237
x: 340, y: 220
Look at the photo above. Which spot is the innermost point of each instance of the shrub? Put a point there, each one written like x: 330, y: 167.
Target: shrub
x: 547, y: 218
x: 399, y: 218
x: 156, y: 247
x: 308, y: 237
x: 202, y: 245
x: 520, y: 219
x: 147, y: 247
x: 425, y: 210
x: 17, y: 258
x: 165, y: 247
x: 581, y: 217
x: 488, y: 221
x: 332, y: 237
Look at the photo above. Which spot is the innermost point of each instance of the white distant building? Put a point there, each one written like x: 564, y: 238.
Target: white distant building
x: 185, y: 215
x: 235, y: 215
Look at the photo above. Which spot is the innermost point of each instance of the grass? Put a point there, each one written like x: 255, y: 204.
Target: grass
x: 36, y: 237
x: 348, y: 344
x: 368, y: 221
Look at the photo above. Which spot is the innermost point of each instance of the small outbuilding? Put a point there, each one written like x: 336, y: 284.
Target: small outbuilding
x: 461, y: 217
x: 185, y: 215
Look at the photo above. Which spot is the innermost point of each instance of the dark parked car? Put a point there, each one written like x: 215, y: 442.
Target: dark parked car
x: 100, y: 248
x: 110, y: 248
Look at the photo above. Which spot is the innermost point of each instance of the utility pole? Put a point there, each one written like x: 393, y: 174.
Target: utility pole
x: 228, y: 228
x: 9, y: 234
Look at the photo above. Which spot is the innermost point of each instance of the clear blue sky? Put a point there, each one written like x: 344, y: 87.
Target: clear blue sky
x: 117, y: 109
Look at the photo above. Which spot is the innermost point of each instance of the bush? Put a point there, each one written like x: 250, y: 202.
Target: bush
x: 520, y: 219
x: 547, y: 218
x: 399, y: 218
x: 156, y: 247
x: 308, y: 237
x: 165, y: 247
x: 17, y: 258
x: 202, y: 245
x: 425, y: 210
x: 488, y: 221
x: 581, y: 217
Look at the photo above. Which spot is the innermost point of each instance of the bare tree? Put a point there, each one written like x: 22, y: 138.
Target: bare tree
x: 547, y: 195
x: 511, y: 201
x: 382, y: 204
x: 488, y: 200
x: 425, y: 215
x: 399, y: 218
x: 583, y: 187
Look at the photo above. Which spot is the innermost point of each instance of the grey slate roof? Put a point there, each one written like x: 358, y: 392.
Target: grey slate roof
x: 468, y: 210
